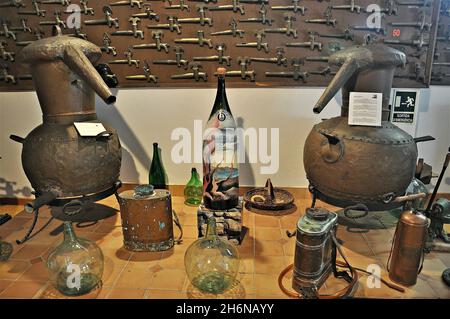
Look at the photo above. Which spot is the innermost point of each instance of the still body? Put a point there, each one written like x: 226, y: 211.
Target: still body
x: 220, y: 166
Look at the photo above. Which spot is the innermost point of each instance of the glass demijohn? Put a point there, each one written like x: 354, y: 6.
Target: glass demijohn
x: 193, y: 190
x: 75, y: 265
x: 211, y: 263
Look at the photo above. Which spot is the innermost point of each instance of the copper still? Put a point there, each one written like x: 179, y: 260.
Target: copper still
x: 147, y: 221
x: 347, y: 164
x: 408, y: 247
x: 62, y: 166
x: 59, y: 163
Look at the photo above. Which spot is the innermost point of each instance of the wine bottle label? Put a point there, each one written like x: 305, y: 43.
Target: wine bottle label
x: 220, y: 167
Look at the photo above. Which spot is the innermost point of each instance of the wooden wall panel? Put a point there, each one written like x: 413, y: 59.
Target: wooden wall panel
x: 441, y: 62
x: 415, y: 74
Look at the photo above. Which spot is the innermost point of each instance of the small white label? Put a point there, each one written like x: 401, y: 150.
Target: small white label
x: 86, y: 129
x: 365, y: 108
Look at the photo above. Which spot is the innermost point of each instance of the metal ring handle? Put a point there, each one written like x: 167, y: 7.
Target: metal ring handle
x: 357, y: 207
x: 176, y: 220
x: 332, y: 149
x: 73, y: 207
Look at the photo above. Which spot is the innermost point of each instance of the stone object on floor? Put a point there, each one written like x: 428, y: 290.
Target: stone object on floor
x: 229, y: 222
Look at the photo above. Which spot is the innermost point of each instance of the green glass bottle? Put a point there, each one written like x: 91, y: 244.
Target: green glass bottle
x: 75, y: 265
x: 157, y: 174
x: 193, y: 191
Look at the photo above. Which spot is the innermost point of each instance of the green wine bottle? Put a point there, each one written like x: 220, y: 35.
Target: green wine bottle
x: 220, y: 167
x: 193, y: 191
x: 157, y: 174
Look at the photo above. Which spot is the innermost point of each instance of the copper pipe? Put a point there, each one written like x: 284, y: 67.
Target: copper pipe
x: 342, y: 76
x: 408, y: 198
x: 40, y: 201
x: 75, y: 59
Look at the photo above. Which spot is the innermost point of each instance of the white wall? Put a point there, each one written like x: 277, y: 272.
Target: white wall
x: 434, y: 120
x: 143, y: 116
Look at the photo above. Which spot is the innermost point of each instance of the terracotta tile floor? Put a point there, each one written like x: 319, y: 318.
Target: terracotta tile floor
x: 265, y: 251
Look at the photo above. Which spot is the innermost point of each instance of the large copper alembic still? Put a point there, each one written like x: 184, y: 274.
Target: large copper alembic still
x: 347, y: 164
x: 63, y: 167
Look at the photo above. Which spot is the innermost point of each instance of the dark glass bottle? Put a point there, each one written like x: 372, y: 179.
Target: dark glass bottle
x: 157, y: 174
x: 220, y: 167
